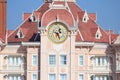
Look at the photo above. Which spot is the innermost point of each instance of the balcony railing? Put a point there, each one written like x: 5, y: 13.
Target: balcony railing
x: 100, y: 68
x: 13, y: 67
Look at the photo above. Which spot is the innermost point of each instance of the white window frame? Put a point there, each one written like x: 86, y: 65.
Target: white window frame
x: 63, y: 74
x: 80, y: 74
x: 49, y: 60
x: 15, y: 77
x: 36, y: 59
x: 20, y: 34
x: 14, y: 60
x: 99, y: 62
x: 60, y: 59
x: 79, y: 60
x: 51, y: 74
x: 33, y: 74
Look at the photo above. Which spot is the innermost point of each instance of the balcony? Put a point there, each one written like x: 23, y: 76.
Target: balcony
x: 118, y: 68
x: 100, y: 68
x: 13, y: 68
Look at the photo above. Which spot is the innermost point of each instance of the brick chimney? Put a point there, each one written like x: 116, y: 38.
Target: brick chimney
x: 3, y: 17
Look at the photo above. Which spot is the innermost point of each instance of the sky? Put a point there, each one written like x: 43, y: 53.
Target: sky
x: 108, y: 12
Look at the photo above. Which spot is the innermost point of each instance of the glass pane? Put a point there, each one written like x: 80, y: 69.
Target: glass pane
x: 80, y: 60
x: 34, y: 60
x: 63, y: 60
x: 52, y: 77
x: 63, y: 77
x: 52, y: 59
x: 107, y: 60
x: 81, y: 77
x: 98, y: 60
x: 103, y: 63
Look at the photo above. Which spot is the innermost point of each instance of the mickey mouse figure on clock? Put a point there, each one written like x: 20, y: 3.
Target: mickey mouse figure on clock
x: 57, y: 32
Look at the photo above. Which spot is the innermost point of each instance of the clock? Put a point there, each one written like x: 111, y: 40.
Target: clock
x: 57, y: 32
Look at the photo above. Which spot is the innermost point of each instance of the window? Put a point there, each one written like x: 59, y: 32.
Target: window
x: 32, y: 18
x: 63, y: 59
x: 14, y: 77
x: 63, y: 77
x: 52, y: 59
x: 34, y: 60
x: 100, y: 61
x: 34, y: 76
x: 98, y: 34
x: 19, y: 34
x: 81, y: 77
x: 81, y: 60
x: 103, y: 61
x: 52, y: 77
x: 100, y: 77
x: 14, y: 60
x: 85, y: 17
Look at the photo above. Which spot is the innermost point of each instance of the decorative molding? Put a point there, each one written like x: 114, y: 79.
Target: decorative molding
x: 30, y: 43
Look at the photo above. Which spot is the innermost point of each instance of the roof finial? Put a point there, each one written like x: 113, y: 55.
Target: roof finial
x: 57, y: 17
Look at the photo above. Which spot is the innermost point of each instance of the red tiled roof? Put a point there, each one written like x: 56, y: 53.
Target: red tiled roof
x: 10, y: 31
x: 47, y: 15
x: 78, y: 38
x: 26, y: 15
x: 93, y: 16
x: 54, y: 14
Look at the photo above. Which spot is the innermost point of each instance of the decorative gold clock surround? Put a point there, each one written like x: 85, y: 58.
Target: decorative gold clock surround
x: 57, y: 32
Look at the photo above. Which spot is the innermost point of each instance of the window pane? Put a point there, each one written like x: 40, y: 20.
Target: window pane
x: 81, y: 77
x: 98, y: 60
x: 107, y: 60
x: 80, y: 60
x: 34, y: 60
x: 52, y: 77
x: 14, y: 77
x: 63, y: 60
x: 34, y: 76
x: 103, y: 59
x: 63, y: 77
x: 52, y: 59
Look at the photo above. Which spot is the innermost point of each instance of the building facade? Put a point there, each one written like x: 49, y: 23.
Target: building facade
x: 58, y: 41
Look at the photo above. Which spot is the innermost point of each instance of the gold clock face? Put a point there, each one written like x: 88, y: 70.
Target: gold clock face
x: 57, y: 32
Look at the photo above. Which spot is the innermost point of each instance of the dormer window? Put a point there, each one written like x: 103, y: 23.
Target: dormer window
x: 19, y: 34
x: 98, y: 34
x: 32, y: 18
x: 85, y: 17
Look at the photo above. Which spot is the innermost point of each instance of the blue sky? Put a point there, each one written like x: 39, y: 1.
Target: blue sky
x: 108, y: 12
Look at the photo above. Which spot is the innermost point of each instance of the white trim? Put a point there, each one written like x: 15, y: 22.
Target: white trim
x: 85, y: 17
x: 98, y: 34
x: 84, y: 43
x: 80, y: 35
x: 62, y: 21
x: 20, y: 33
x: 30, y: 43
x: 43, y: 16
